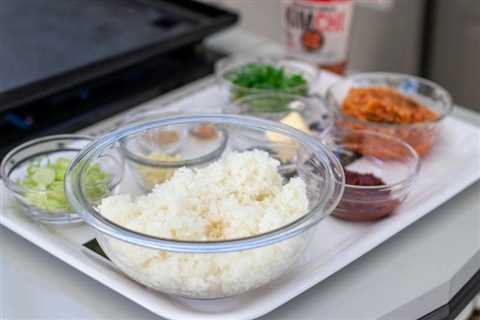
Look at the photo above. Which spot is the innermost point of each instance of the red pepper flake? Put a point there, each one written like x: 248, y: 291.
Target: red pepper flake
x: 365, y: 204
x: 362, y: 179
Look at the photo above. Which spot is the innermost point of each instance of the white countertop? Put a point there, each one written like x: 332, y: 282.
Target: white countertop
x: 411, y: 274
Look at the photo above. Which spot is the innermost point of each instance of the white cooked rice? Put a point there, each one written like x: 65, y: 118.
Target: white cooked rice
x: 240, y: 195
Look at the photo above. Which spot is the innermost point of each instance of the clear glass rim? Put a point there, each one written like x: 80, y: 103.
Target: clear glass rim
x: 334, y: 177
x: 12, y: 185
x: 217, y: 152
x: 317, y: 101
x: 229, y: 64
x: 399, y: 184
x: 330, y: 96
x: 139, y: 116
x: 142, y: 115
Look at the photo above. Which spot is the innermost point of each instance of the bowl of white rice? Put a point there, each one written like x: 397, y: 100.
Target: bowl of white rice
x: 229, y: 226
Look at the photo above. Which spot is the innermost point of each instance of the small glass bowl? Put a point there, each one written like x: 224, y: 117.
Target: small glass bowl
x: 153, y: 156
x: 234, y: 92
x: 393, y: 161
x: 421, y: 136
x: 42, y: 151
x: 308, y: 114
x: 213, y: 269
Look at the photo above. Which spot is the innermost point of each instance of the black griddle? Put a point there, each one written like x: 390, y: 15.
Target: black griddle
x: 67, y: 64
x: 47, y: 46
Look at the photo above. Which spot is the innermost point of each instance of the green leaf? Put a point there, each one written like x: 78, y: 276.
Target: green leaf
x: 265, y: 77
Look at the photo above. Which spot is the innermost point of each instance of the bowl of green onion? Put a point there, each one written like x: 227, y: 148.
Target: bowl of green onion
x: 239, y: 78
x: 34, y: 174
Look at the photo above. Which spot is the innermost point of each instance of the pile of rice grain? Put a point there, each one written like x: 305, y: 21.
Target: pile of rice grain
x: 240, y: 195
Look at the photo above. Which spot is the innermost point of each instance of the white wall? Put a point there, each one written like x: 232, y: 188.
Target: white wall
x: 456, y: 47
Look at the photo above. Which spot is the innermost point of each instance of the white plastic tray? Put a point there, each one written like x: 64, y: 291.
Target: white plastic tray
x: 450, y: 168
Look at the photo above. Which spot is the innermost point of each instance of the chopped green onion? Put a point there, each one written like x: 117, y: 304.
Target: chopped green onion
x: 255, y: 76
x: 44, y: 184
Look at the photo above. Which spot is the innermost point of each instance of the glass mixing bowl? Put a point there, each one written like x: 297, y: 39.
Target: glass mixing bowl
x: 214, y: 269
x: 421, y: 136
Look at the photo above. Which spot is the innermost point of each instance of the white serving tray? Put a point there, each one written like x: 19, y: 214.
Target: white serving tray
x: 451, y: 167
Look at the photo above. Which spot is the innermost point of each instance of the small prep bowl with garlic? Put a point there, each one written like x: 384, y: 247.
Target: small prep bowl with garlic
x: 236, y: 223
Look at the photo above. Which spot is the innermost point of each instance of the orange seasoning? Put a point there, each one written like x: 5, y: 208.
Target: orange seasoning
x: 385, y: 105
x: 388, y: 106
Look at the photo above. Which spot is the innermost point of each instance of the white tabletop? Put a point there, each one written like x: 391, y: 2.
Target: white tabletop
x: 411, y: 274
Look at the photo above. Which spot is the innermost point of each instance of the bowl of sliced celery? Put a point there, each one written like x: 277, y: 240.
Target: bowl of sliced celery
x: 34, y: 172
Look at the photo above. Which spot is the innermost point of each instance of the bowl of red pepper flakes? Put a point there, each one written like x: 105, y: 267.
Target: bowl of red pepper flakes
x: 376, y: 183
